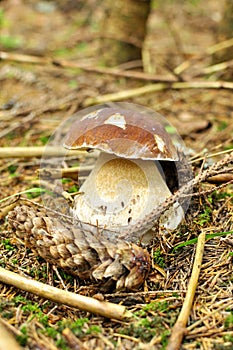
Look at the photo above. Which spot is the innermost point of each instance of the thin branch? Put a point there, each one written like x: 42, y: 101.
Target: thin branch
x: 50, y: 151
x: 72, y: 173
x: 209, y: 51
x: 201, y: 320
x: 7, y: 341
x: 197, y: 157
x: 102, y: 308
x: 211, y: 190
x: 222, y: 45
x: 80, y: 65
x: 179, y: 328
x: 122, y: 95
x: 72, y: 341
x: 216, y: 67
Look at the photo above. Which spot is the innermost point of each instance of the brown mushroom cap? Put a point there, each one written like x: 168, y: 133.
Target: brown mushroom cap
x: 125, y: 133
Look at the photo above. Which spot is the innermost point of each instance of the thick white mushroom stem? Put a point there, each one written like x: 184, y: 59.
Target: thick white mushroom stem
x: 119, y: 192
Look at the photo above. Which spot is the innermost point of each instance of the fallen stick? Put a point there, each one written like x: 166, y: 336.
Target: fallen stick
x: 102, y: 308
x: 122, y: 95
x: 83, y: 66
x: 64, y: 172
x: 51, y: 151
x: 179, y: 329
x: 72, y: 341
x: 7, y: 341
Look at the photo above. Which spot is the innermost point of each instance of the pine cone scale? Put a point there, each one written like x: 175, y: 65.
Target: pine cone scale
x: 82, y: 252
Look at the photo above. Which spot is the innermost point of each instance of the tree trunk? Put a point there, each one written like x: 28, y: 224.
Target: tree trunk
x: 225, y: 32
x: 123, y: 30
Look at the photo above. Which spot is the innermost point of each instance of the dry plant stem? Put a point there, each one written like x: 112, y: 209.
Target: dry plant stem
x: 209, y: 51
x: 122, y: 95
x: 28, y: 152
x: 218, y: 67
x: 7, y: 341
x: 79, y: 65
x: 211, y: 190
x: 197, y: 158
x: 57, y: 295
x: 201, y: 320
x: 179, y: 328
x: 72, y: 340
x: 5, y: 210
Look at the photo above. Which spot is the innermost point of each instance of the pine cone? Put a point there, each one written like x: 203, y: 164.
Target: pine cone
x: 80, y: 251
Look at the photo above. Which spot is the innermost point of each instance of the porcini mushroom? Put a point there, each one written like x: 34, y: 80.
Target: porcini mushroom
x: 127, y: 181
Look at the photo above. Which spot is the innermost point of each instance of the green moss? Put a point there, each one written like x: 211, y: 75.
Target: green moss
x: 150, y: 321
x: 12, y: 169
x: 229, y: 321
x: 44, y: 139
x: 10, y: 42
x: 93, y: 329
x: 73, y: 189
x: 205, y: 217
x: 23, y: 337
x: 7, y: 244
x: 158, y: 258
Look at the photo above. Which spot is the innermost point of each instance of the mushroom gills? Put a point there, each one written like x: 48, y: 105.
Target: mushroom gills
x: 118, y: 192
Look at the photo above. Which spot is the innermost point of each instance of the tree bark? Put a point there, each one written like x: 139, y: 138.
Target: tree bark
x: 123, y: 30
x: 225, y: 31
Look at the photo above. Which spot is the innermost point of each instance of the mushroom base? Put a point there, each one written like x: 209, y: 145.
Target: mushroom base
x: 119, y: 192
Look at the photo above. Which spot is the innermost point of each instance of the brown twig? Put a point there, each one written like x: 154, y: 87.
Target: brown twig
x: 201, y: 320
x: 81, y: 302
x: 179, y: 328
x: 220, y: 178
x: 72, y: 173
x: 80, y: 65
x: 7, y: 341
x: 73, y: 342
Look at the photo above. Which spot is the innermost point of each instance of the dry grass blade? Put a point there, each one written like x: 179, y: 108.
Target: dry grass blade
x: 81, y: 302
x: 179, y: 328
x: 209, y: 51
x: 7, y: 341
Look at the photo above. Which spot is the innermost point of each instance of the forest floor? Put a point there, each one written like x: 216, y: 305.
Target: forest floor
x: 57, y: 76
